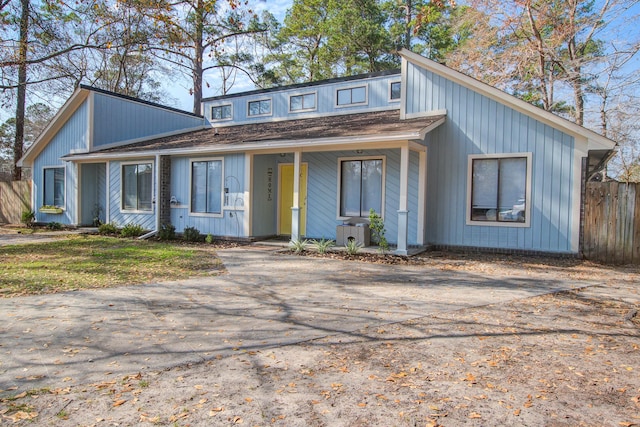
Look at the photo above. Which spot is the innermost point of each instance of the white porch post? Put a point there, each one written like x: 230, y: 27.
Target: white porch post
x: 422, y: 197
x: 107, y: 208
x: 248, y: 192
x: 158, y: 203
x: 295, y: 209
x: 403, y: 213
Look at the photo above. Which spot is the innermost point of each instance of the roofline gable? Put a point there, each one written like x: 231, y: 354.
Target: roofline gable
x: 64, y: 113
x: 595, y: 141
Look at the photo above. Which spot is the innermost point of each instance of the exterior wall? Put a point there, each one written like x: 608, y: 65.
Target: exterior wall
x: 72, y: 136
x: 232, y: 220
x: 118, y: 119
x: 377, y: 97
x: 478, y: 125
x: 322, y: 197
x: 265, y: 195
x: 93, y: 196
x: 147, y: 219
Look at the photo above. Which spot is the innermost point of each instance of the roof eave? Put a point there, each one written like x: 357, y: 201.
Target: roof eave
x: 309, y: 144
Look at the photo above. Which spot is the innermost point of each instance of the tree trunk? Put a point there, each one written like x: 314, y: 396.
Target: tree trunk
x: 408, y: 29
x: 574, y: 67
x: 578, y: 95
x: 542, y: 60
x: 18, y: 145
x: 198, y: 57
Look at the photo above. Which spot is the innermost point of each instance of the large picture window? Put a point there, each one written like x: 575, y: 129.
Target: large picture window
x: 361, y: 187
x: 54, y: 187
x: 206, y: 186
x: 137, y: 186
x: 499, y: 189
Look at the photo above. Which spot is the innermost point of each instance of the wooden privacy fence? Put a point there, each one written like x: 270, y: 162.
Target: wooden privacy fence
x: 15, y: 197
x: 612, y: 222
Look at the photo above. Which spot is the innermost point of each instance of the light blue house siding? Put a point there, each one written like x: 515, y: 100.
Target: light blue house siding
x: 231, y: 222
x: 478, y: 125
x: 93, y: 198
x: 322, y: 190
x: 72, y: 136
x: 377, y: 99
x: 146, y: 220
x: 119, y: 119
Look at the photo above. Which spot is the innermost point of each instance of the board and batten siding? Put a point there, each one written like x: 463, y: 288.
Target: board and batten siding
x: 377, y: 100
x: 231, y: 223
x: 72, y: 136
x: 119, y: 120
x: 476, y: 124
x: 146, y: 220
x: 322, y: 190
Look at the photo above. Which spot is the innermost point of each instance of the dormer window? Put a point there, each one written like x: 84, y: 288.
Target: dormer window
x: 305, y: 102
x: 221, y: 112
x: 351, y: 96
x: 394, y: 91
x: 260, y: 108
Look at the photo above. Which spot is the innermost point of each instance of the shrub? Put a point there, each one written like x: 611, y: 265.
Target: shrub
x: 191, y: 234
x: 53, y: 225
x: 209, y: 238
x: 107, y: 229
x: 323, y: 245
x: 376, y: 224
x: 132, y: 230
x: 298, y: 246
x: 28, y: 217
x: 167, y: 232
x: 353, y: 247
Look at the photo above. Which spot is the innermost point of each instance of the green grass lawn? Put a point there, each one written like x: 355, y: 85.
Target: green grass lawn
x: 87, y: 262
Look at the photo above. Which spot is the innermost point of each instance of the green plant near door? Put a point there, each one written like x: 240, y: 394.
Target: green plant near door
x: 376, y: 225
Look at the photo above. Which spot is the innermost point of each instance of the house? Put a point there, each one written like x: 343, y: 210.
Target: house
x: 446, y: 160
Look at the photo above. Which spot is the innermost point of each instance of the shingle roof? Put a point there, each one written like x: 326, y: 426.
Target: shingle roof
x: 381, y: 123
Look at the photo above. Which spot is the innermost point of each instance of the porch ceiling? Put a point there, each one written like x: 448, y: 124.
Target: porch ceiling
x: 376, y: 126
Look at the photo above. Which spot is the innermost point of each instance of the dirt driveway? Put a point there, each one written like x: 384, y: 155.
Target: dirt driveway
x: 288, y: 341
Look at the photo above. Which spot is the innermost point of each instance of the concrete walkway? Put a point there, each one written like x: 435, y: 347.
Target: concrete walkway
x: 263, y: 300
x: 11, y: 237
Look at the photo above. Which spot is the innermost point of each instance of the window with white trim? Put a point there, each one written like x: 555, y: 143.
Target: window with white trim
x: 221, y: 112
x: 303, y: 102
x: 499, y: 188
x: 352, y: 95
x: 206, y: 186
x: 361, y: 186
x: 260, y: 108
x: 137, y: 186
x: 53, y: 187
x: 394, y: 91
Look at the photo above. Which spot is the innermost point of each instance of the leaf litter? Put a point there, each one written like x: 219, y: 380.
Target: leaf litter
x: 568, y: 358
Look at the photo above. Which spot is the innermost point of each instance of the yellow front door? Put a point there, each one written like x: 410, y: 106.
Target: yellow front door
x: 285, y: 195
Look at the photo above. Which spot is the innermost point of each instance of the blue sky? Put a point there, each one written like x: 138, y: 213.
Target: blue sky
x: 179, y: 90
